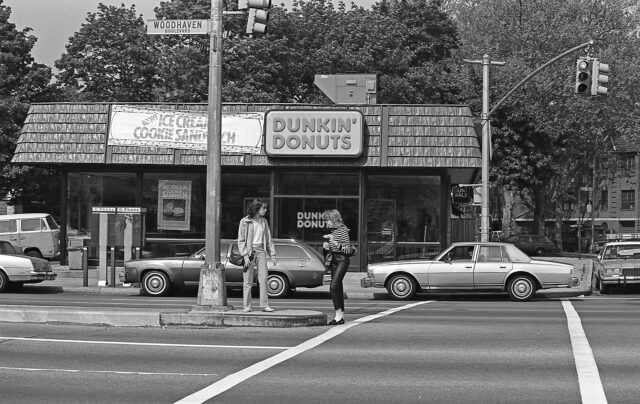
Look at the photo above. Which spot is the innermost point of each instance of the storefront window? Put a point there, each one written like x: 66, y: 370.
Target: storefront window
x: 302, y: 197
x: 96, y: 189
x: 318, y: 183
x: 238, y: 190
x: 403, y: 216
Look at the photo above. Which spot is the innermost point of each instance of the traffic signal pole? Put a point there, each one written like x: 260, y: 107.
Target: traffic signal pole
x: 212, y: 292
x: 486, y: 129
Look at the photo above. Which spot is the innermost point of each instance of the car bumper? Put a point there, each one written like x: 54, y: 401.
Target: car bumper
x: 620, y: 280
x: 34, y: 277
x: 370, y: 283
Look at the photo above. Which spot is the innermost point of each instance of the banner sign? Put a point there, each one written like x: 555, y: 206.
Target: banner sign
x: 174, y: 205
x: 314, y: 133
x: 137, y: 126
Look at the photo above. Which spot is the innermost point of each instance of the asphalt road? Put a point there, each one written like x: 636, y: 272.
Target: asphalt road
x: 452, y: 350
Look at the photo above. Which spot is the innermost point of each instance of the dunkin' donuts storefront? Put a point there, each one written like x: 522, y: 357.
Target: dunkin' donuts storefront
x: 387, y: 168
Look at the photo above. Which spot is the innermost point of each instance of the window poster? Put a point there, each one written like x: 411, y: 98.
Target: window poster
x: 174, y: 205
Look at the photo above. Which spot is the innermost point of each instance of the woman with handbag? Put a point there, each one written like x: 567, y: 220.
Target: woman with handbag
x: 341, y: 249
x: 254, y: 242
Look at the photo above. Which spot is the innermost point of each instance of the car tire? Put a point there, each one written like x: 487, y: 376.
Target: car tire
x: 278, y: 285
x: 402, y: 287
x: 521, y: 288
x: 540, y: 251
x: 604, y: 289
x: 156, y: 283
x: 34, y: 253
x: 4, y: 282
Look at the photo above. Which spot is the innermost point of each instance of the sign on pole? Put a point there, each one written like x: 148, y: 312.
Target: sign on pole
x: 177, y: 27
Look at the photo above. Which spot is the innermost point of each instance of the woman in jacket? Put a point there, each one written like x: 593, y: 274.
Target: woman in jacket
x: 341, y: 249
x: 254, y: 242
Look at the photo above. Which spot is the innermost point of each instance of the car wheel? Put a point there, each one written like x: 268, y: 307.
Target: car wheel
x: 402, y: 287
x: 604, y: 289
x: 156, y: 283
x: 278, y: 285
x: 540, y: 251
x: 34, y: 253
x: 521, y: 288
x: 4, y: 281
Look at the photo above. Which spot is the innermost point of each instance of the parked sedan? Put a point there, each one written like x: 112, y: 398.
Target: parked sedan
x: 17, y: 269
x: 618, y: 264
x: 298, y: 265
x: 472, y: 266
x: 533, y: 244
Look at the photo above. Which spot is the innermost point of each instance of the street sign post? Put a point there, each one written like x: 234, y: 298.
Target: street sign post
x: 212, y: 292
x: 177, y: 27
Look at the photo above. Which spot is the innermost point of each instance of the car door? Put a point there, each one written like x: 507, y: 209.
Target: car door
x: 191, y: 265
x: 35, y: 233
x: 454, y: 270
x: 491, y: 267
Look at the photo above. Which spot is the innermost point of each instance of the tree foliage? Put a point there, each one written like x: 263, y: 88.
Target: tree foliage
x: 111, y: 58
x: 22, y: 81
x: 547, y: 136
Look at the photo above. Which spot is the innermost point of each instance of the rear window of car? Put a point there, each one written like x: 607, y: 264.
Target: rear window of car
x: 7, y: 248
x: 8, y: 226
x: 290, y: 251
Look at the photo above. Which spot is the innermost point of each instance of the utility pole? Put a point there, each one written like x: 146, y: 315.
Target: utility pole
x: 486, y: 143
x: 212, y: 293
x: 486, y: 129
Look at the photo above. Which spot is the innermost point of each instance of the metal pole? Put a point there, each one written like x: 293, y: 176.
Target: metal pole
x: 212, y: 290
x: 85, y: 267
x: 486, y: 145
x: 593, y: 204
x: 113, y: 267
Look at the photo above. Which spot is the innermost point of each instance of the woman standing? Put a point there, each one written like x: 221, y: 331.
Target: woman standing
x: 254, y: 242
x: 341, y: 249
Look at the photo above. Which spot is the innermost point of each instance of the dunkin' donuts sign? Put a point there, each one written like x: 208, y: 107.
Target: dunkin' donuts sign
x: 314, y: 133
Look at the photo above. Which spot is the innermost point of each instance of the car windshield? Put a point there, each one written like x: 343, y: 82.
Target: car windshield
x: 627, y: 251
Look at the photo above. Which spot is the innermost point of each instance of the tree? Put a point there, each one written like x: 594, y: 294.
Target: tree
x: 21, y: 81
x: 111, y: 58
x: 546, y: 136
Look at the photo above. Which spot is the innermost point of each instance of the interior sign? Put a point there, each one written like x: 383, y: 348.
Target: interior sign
x: 313, y: 133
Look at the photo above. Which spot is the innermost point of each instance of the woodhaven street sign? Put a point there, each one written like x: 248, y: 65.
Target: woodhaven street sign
x: 177, y: 27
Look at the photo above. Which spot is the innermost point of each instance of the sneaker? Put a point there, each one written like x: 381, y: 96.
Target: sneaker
x: 268, y: 309
x: 246, y: 309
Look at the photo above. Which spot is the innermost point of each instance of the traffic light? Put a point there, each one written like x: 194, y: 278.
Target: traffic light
x: 597, y: 78
x: 584, y: 67
x: 258, y: 16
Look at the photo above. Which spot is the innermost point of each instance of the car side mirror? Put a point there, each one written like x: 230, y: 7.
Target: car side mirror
x: 447, y: 259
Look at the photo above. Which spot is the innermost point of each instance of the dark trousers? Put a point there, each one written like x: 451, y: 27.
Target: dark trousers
x: 339, y: 266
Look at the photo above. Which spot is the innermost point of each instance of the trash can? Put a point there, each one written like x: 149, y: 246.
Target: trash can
x: 75, y: 258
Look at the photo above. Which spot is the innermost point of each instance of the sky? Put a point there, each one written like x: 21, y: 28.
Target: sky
x: 54, y: 21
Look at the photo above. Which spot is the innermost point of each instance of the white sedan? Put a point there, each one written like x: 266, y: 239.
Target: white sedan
x: 16, y: 270
x: 472, y: 266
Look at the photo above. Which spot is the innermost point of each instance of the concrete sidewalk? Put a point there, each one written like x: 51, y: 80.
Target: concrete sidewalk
x: 71, y: 281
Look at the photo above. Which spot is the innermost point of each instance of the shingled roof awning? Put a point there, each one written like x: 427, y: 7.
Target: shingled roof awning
x: 402, y: 136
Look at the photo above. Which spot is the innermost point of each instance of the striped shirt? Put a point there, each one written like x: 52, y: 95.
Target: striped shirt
x: 341, y: 242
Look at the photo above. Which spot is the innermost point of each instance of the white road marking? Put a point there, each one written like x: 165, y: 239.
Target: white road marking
x: 153, y: 344
x: 234, y: 379
x: 591, y: 389
x: 118, y: 372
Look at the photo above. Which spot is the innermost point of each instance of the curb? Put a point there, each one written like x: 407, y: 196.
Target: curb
x: 128, y: 318
x: 280, y: 319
